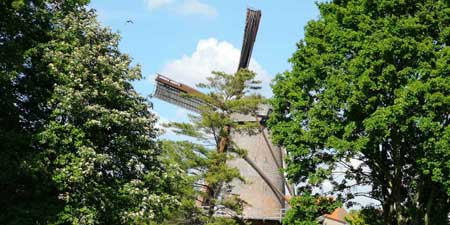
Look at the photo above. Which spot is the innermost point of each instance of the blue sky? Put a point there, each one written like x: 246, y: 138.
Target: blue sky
x: 185, y: 39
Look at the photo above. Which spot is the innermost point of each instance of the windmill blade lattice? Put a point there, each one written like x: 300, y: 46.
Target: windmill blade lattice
x: 251, y: 29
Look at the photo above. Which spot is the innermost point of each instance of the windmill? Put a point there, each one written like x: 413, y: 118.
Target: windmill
x: 265, y: 187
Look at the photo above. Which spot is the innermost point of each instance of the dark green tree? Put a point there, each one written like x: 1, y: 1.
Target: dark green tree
x: 77, y: 141
x: 212, y: 128
x: 370, y: 82
x: 307, y: 208
x: 25, y: 86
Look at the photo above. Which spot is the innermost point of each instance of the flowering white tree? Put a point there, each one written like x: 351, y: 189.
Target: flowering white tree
x: 91, y: 155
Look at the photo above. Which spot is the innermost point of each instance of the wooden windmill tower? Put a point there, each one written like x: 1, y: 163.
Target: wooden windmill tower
x: 265, y: 188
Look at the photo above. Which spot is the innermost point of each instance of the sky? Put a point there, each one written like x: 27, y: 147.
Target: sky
x: 187, y: 39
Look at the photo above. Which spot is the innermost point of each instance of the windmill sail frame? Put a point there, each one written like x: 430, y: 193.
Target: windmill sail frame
x: 177, y: 93
x: 251, y: 29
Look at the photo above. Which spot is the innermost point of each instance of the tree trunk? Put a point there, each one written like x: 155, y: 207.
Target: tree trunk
x: 224, y: 140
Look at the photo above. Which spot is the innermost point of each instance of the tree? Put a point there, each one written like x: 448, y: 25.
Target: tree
x: 228, y: 94
x: 370, y: 83
x: 189, y: 157
x: 79, y: 141
x: 307, y: 208
x: 25, y: 87
x: 366, y: 216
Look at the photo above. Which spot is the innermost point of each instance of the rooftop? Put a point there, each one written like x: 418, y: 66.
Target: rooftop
x: 338, y: 214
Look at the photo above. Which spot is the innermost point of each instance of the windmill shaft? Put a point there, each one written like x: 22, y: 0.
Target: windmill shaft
x: 281, y: 196
x: 251, y: 29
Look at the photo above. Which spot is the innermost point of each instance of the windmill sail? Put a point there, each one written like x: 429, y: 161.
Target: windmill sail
x: 177, y: 93
x: 251, y: 29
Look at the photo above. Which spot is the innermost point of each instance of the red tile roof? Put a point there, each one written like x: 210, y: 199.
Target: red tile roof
x: 338, y: 214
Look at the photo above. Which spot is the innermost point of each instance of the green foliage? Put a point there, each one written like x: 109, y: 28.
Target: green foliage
x: 306, y: 208
x: 27, y: 195
x: 77, y: 142
x: 370, y: 82
x: 365, y: 216
x: 206, y: 160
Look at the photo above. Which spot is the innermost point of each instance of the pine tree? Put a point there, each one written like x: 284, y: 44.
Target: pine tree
x: 227, y: 95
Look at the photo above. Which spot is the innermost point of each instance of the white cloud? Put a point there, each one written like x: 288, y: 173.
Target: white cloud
x: 183, y: 7
x: 155, y: 4
x: 191, y: 7
x: 211, y: 55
